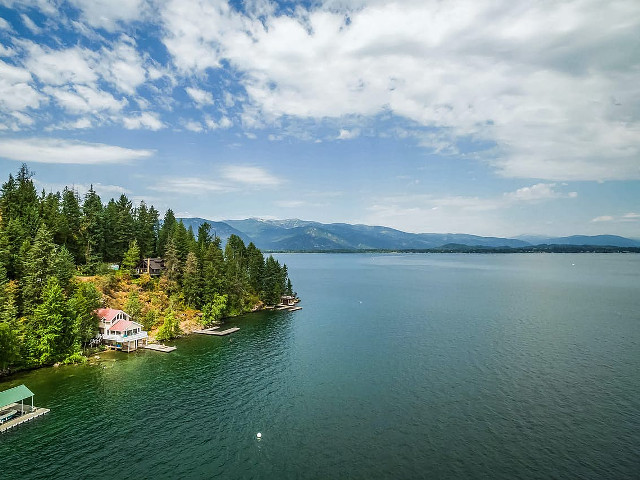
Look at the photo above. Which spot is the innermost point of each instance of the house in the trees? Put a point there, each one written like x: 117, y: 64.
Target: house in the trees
x: 117, y: 330
x: 151, y: 266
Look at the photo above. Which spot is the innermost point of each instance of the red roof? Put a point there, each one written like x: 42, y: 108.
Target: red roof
x: 108, y: 314
x: 123, y: 326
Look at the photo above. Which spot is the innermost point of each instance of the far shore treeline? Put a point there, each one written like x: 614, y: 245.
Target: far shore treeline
x: 57, y: 255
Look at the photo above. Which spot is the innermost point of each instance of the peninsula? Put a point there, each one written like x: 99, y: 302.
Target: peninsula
x: 63, y: 259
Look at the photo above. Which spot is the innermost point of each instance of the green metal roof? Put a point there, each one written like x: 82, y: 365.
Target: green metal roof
x: 14, y: 395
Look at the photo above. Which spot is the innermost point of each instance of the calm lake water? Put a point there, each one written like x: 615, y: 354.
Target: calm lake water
x: 398, y: 366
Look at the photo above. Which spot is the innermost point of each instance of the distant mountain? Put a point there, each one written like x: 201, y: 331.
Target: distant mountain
x: 600, y: 240
x: 302, y: 235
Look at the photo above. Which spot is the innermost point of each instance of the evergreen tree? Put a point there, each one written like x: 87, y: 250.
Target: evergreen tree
x: 85, y: 301
x: 50, y: 214
x: 190, y: 282
x: 131, y: 258
x: 146, y: 222
x: 182, y: 241
x: 70, y: 223
x: 166, y: 231
x: 255, y: 267
x: 64, y: 268
x: 172, y: 262
x: 55, y: 325
x: 37, y: 268
x: 9, y: 346
x: 27, y: 206
x: 92, y: 229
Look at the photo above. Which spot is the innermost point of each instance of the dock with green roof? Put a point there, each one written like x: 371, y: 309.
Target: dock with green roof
x: 14, y: 411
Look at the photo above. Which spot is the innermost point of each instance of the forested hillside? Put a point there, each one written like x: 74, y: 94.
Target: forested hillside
x: 57, y: 258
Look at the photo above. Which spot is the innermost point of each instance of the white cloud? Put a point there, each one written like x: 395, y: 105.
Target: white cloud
x: 603, y: 218
x: 190, y: 186
x: 50, y: 7
x: 626, y: 218
x: 122, y: 65
x: 108, y: 13
x: 74, y: 65
x: 538, y: 192
x: 4, y: 25
x: 193, y: 126
x: 83, y: 99
x: 52, y: 150
x: 6, y: 51
x: 537, y: 79
x: 201, y: 97
x: 145, y: 120
x: 33, y: 28
x: 16, y: 93
x: 348, y: 134
x: 250, y: 175
x: 223, y: 123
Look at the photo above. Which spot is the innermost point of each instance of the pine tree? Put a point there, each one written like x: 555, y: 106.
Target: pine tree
x: 55, y: 325
x: 166, y: 231
x: 85, y: 301
x: 37, y: 268
x: 131, y: 258
x: 70, y: 223
x: 92, y: 229
x: 172, y: 262
x: 64, y: 268
x: 190, y: 282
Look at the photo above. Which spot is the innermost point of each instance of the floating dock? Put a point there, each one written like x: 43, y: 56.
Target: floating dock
x: 36, y: 412
x: 288, y: 308
x: 159, y: 348
x: 215, y: 331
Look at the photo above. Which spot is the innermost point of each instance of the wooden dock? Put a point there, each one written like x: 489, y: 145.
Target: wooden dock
x: 288, y: 308
x: 159, y: 347
x: 38, y: 411
x: 215, y: 331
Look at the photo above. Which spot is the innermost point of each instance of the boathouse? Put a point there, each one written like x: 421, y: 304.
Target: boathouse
x: 117, y: 330
x: 13, y: 410
x: 287, y: 300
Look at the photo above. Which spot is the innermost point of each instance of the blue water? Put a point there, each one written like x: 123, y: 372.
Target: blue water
x: 398, y: 366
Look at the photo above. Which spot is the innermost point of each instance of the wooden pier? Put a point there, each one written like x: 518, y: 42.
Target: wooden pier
x: 288, y: 308
x: 159, y: 347
x: 37, y: 411
x: 215, y: 331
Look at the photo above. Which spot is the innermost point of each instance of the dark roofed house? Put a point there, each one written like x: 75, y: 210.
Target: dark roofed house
x: 151, y: 266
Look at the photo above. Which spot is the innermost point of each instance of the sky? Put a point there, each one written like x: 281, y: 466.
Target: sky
x: 493, y: 117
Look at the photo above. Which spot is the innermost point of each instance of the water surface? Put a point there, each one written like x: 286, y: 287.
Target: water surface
x: 398, y: 366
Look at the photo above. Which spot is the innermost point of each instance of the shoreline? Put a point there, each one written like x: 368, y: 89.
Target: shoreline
x: 98, y: 351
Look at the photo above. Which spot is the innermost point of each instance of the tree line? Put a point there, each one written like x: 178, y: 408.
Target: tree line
x: 55, y: 248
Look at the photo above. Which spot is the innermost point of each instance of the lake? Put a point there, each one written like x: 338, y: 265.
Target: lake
x: 398, y: 366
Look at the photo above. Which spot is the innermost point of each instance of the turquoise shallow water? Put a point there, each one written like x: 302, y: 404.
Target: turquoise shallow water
x: 398, y: 366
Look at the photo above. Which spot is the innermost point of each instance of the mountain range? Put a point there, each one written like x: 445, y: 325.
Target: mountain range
x: 302, y: 235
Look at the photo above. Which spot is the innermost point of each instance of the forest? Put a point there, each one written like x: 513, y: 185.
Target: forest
x: 62, y: 257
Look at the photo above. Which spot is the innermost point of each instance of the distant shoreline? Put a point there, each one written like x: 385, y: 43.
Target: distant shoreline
x: 480, y: 249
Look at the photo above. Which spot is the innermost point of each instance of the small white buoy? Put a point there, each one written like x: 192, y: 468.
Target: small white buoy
x: 258, y: 435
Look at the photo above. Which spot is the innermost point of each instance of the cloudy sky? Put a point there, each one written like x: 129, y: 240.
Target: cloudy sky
x: 484, y: 117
